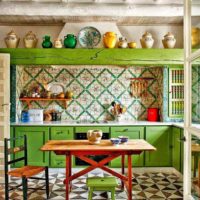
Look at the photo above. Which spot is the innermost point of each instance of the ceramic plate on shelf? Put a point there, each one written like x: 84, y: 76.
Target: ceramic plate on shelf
x: 55, y: 88
x: 89, y: 37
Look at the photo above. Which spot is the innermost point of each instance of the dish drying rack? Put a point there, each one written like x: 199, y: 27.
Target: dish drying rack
x: 138, y: 86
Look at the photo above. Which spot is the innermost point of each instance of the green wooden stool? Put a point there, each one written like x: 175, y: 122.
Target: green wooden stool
x: 101, y: 184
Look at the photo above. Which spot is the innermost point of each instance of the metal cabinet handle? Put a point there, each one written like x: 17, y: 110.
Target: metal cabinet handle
x: 125, y: 129
x: 59, y: 163
x: 183, y: 139
x: 60, y: 132
x: 5, y: 104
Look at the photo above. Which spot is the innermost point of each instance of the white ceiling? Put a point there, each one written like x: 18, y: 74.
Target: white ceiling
x: 118, y: 11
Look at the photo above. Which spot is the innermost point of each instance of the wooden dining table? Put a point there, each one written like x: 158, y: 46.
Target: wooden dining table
x: 82, y: 149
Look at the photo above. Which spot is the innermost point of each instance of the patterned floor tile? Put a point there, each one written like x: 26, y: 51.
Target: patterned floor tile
x: 153, y: 186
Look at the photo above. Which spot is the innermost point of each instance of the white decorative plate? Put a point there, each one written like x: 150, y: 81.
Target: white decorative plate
x: 89, y: 37
x: 56, y: 88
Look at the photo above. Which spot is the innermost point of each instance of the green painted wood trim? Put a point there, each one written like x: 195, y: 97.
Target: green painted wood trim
x: 143, y: 57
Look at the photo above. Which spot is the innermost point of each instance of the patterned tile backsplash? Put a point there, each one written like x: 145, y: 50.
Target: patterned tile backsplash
x: 196, y: 94
x: 94, y: 88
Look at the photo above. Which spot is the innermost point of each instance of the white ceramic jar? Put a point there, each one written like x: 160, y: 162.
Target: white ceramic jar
x: 30, y: 40
x: 147, y: 40
x: 169, y: 41
x: 58, y: 43
x: 12, y: 40
x: 122, y: 43
x: 94, y: 136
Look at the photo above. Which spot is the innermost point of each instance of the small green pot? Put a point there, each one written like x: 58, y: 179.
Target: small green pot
x: 70, y: 41
x: 47, y: 42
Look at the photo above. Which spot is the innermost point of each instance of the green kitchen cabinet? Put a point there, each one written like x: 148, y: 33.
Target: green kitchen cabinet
x: 60, y: 133
x: 136, y: 132
x: 12, y: 143
x: 182, y: 151
x: 161, y: 138
x: 36, y: 138
x: 176, y: 148
x: 84, y: 129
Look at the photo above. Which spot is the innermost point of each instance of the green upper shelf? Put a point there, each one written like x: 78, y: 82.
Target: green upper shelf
x: 155, y: 57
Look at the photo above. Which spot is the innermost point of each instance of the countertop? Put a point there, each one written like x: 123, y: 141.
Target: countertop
x: 100, y: 123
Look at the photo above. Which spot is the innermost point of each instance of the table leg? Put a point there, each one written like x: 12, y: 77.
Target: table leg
x: 195, y: 164
x: 122, y: 164
x: 70, y: 170
x: 67, y: 176
x: 129, y: 177
x: 199, y: 173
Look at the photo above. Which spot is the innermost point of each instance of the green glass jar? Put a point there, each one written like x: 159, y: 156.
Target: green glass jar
x: 70, y: 41
x: 47, y: 42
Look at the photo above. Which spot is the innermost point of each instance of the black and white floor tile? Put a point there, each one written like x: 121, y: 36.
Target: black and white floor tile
x: 146, y: 185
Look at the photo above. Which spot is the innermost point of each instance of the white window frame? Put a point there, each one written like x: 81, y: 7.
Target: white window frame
x: 189, y: 57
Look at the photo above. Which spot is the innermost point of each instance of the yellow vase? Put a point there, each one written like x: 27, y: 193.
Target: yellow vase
x: 195, y: 36
x: 110, y: 39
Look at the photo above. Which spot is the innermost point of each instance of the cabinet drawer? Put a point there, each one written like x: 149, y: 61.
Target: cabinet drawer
x: 126, y: 129
x: 133, y: 133
x: 84, y: 129
x: 62, y: 133
x: 57, y: 161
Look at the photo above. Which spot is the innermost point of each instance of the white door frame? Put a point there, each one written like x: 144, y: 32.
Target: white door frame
x: 4, y: 105
x: 189, y: 57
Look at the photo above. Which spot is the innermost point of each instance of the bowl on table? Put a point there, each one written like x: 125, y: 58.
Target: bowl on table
x: 115, y: 141
x: 123, y: 139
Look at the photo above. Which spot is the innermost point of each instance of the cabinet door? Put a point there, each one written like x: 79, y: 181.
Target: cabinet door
x: 36, y: 138
x: 176, y: 145
x: 60, y: 133
x: 182, y: 151
x: 132, y: 133
x: 159, y: 137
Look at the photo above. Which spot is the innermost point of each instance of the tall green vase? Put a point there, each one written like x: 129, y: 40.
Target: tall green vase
x: 47, y: 42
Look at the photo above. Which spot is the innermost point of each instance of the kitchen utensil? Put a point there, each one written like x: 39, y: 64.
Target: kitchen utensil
x: 147, y: 40
x: 153, y: 114
x: 25, y: 116
x: 69, y: 94
x: 55, y: 88
x: 169, y: 41
x: 47, y: 117
x: 70, y: 41
x: 132, y: 45
x: 30, y: 40
x: 122, y: 43
x: 94, y: 136
x: 36, y: 115
x: 47, y: 42
x: 123, y: 139
x: 12, y: 40
x: 89, y: 37
x: 58, y: 43
x: 115, y: 141
x: 110, y: 39
x: 61, y: 95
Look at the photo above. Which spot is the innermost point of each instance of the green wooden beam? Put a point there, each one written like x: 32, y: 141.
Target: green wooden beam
x: 155, y: 57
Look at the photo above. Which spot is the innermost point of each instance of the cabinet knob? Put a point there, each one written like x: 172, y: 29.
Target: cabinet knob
x: 60, y: 132
x: 183, y: 139
x: 59, y: 163
x: 125, y: 129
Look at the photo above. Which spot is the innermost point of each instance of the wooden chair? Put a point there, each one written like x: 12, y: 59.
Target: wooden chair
x: 26, y: 172
x: 101, y: 184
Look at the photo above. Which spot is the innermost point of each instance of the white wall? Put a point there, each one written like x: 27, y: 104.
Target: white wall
x: 130, y: 32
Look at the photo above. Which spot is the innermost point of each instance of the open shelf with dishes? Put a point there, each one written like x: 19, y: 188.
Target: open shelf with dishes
x: 28, y: 100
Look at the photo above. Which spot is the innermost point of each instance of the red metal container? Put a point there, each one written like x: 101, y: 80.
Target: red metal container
x: 153, y: 114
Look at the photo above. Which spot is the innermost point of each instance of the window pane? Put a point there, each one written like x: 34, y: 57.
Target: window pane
x: 195, y: 167
x: 195, y: 37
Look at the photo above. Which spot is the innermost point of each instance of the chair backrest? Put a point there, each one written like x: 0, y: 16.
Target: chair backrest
x: 13, y: 149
